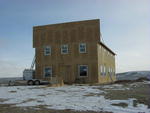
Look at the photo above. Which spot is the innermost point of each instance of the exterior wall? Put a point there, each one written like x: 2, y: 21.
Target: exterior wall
x: 107, y: 59
x: 66, y: 65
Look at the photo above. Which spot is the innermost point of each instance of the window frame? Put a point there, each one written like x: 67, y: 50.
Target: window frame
x: 45, y: 51
x: 104, y: 70
x: 101, y: 70
x: 85, y: 48
x: 63, y: 48
x: 51, y: 74
x: 79, y: 71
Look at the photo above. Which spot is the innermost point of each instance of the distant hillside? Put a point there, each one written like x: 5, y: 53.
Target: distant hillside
x: 133, y: 75
x: 6, y: 80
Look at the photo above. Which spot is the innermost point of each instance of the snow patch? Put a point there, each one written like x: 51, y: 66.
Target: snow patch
x: 67, y: 97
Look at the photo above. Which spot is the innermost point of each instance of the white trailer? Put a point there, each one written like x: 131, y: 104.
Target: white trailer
x: 28, y: 75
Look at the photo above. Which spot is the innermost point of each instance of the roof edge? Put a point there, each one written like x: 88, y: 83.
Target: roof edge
x: 65, y: 23
x: 107, y: 48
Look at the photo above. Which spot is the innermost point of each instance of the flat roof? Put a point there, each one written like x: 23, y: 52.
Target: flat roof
x: 83, y: 21
x: 107, y: 48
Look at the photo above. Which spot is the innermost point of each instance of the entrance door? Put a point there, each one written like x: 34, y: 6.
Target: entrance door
x: 65, y: 71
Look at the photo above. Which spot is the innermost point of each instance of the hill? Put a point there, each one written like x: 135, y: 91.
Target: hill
x: 133, y: 75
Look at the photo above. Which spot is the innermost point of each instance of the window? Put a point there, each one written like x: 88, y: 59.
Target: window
x: 82, y: 47
x: 104, y: 70
x: 101, y: 69
x: 83, y: 70
x: 108, y: 53
x: 47, y: 50
x: 104, y: 51
x: 114, y: 72
x: 64, y: 49
x: 111, y: 71
x: 48, y: 72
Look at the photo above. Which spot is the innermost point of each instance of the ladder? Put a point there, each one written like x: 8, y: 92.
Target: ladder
x: 33, y: 63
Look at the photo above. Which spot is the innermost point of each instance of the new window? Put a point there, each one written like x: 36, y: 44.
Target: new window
x: 48, y: 72
x: 101, y: 69
x: 83, y: 70
x: 64, y: 49
x: 111, y: 71
x: 47, y: 50
x: 82, y: 47
x: 114, y: 72
x: 104, y: 70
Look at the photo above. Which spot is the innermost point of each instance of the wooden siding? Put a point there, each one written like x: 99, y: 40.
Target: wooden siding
x: 65, y: 66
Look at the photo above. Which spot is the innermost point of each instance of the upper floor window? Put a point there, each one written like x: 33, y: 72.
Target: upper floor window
x: 47, y: 50
x: 82, y: 47
x: 48, y: 72
x: 64, y: 49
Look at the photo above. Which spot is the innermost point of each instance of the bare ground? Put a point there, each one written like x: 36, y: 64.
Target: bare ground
x: 139, y: 91
x: 7, y: 108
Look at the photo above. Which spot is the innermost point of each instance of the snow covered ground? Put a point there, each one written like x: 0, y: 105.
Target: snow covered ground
x: 74, y: 97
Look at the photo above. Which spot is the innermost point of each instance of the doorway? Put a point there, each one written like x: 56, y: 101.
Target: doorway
x: 65, y: 72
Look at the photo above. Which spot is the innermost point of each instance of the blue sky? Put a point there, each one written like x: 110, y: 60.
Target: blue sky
x: 125, y: 28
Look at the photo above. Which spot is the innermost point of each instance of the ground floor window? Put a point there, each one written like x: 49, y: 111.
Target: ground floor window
x: 83, y: 70
x: 103, y: 70
x: 48, y: 72
x: 113, y: 72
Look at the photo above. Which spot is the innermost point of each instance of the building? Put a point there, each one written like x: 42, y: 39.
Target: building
x: 73, y: 52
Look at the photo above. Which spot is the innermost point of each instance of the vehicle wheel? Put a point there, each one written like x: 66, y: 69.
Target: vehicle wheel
x: 11, y: 83
x: 37, y: 82
x: 30, y: 82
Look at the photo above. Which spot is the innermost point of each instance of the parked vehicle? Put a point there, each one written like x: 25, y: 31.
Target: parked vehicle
x: 28, y: 78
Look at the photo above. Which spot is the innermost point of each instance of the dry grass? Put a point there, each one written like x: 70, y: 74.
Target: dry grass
x: 3, y: 100
x: 12, y: 91
x: 121, y: 104
x: 42, y: 95
x: 141, y: 92
x: 39, y: 109
x: 28, y: 100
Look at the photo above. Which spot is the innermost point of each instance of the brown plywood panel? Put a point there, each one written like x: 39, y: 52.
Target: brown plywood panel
x: 65, y: 37
x: 57, y: 37
x: 65, y: 72
x: 72, y: 34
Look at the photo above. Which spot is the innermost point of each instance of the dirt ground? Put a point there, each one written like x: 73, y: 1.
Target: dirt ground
x: 40, y: 109
x: 137, y: 90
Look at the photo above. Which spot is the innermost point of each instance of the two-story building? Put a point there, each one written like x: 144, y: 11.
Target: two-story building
x: 74, y: 52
